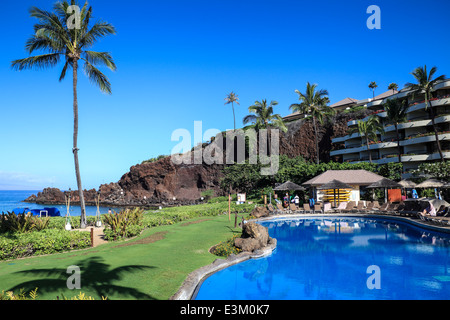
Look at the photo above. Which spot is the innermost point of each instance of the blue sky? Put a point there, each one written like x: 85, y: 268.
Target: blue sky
x: 176, y: 62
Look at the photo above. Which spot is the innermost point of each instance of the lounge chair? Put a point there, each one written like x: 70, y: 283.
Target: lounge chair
x: 383, y: 208
x: 280, y: 208
x: 369, y: 206
x: 359, y: 207
x: 306, y: 208
x: 293, y: 207
x: 443, y: 221
x: 392, y: 208
x: 318, y: 207
x: 351, y: 205
x: 376, y: 206
x: 341, y: 207
x: 271, y: 209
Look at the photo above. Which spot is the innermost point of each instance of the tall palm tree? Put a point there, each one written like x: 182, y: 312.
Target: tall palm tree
x: 373, y: 85
x: 263, y: 117
x: 393, y: 86
x: 56, y: 35
x: 314, y: 104
x: 368, y: 131
x: 396, y: 112
x: 232, y: 98
x: 425, y: 84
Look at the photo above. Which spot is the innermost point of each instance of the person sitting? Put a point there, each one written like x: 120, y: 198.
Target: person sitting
x: 429, y: 211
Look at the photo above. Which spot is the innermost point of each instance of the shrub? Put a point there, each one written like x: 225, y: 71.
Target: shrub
x: 227, y: 248
x: 48, y: 241
x: 124, y: 224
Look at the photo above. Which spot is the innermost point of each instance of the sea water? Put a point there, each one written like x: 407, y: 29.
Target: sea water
x: 11, y: 199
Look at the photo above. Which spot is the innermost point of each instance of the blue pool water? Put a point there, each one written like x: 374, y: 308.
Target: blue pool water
x: 330, y: 258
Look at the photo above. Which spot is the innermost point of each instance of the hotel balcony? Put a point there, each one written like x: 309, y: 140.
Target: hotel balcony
x: 435, y: 103
x: 430, y: 137
x: 380, y: 113
x: 425, y: 157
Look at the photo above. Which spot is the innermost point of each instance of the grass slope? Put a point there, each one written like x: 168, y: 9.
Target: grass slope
x: 151, y: 266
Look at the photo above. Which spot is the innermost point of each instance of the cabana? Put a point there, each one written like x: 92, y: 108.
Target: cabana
x: 335, y: 185
x: 357, y: 179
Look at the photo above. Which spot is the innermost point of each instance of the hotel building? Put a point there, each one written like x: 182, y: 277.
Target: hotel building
x: 417, y: 138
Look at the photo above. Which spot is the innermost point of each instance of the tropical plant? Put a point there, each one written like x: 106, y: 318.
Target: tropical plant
x: 232, y: 98
x: 372, y: 86
x: 120, y: 223
x: 314, y: 104
x: 264, y: 118
x: 393, y: 86
x: 396, y: 112
x: 424, y: 85
x: 21, y: 223
x: 368, y: 131
x: 68, y: 36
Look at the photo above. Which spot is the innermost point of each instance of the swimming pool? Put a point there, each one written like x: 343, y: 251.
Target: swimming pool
x: 340, y: 258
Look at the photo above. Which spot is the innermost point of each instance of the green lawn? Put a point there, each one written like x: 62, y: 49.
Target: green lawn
x: 152, y: 266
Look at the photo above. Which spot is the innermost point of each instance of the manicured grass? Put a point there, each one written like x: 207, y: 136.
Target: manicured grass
x: 152, y: 266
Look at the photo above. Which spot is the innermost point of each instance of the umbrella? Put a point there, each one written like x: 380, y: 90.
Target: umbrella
x: 288, y: 185
x: 385, y: 183
x: 407, y: 184
x: 335, y: 185
x: 431, y: 183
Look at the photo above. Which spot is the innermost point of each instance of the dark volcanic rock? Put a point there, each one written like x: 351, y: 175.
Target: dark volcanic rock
x: 254, y: 237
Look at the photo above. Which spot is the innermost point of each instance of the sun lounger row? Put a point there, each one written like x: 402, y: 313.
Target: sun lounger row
x: 407, y: 209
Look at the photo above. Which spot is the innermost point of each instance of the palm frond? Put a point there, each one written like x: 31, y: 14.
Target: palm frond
x: 36, y: 62
x: 99, y: 30
x: 97, y: 77
x: 102, y: 58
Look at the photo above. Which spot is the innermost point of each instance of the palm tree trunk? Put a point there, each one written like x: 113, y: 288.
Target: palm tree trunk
x: 433, y: 116
x: 75, y: 144
x: 368, y: 149
x: 316, y: 140
x: 234, y: 117
x: 398, y: 144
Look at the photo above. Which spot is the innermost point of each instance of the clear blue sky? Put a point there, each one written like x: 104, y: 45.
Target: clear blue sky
x: 176, y: 62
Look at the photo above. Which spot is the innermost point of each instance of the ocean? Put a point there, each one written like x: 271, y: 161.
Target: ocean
x: 9, y: 200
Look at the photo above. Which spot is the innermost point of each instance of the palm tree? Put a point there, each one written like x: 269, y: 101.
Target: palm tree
x: 393, y: 86
x: 396, y: 112
x: 373, y: 85
x: 232, y: 98
x: 61, y: 40
x: 264, y: 118
x: 368, y: 131
x: 314, y: 104
x: 425, y: 84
